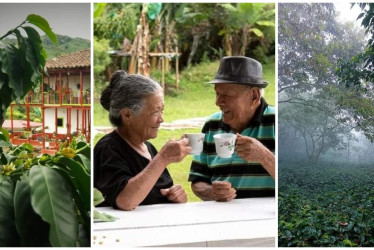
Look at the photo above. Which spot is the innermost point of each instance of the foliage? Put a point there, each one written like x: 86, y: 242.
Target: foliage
x: 317, y: 131
x: 197, y: 27
x: 358, y: 71
x: 308, y: 56
x: 325, y: 205
x: 243, y: 28
x: 115, y: 22
x: 21, y: 66
x: 357, y: 74
x: 45, y: 199
x: 101, y: 60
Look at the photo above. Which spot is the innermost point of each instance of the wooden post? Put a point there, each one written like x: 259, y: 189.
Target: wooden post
x: 177, y: 66
x: 163, y: 73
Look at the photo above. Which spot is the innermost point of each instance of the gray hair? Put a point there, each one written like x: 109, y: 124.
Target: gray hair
x: 126, y: 91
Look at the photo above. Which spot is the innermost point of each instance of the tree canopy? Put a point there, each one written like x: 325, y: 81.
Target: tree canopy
x: 313, y: 101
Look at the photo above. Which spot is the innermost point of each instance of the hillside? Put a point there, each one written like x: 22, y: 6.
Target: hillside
x: 65, y: 45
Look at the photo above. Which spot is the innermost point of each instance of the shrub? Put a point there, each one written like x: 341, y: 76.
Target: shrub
x: 44, y: 200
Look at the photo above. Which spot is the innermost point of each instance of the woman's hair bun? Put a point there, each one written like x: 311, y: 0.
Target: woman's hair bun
x: 107, y: 92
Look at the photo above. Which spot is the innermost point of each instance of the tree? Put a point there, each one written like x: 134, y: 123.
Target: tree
x: 21, y: 65
x: 115, y: 22
x: 311, y: 42
x: 317, y: 130
x: 195, y: 18
x: 242, y: 21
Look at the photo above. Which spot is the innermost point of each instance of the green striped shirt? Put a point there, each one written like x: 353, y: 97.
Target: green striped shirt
x: 249, y: 179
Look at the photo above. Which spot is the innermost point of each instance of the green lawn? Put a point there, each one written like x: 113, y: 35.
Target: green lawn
x: 196, y: 98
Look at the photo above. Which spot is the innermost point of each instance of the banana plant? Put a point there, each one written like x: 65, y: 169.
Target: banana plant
x: 45, y: 200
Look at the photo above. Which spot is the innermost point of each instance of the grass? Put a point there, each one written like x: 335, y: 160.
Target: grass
x: 196, y: 98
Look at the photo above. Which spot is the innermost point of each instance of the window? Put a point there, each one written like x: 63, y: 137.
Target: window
x: 60, y: 122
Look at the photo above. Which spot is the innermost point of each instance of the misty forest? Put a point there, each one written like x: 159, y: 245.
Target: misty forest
x: 326, y: 126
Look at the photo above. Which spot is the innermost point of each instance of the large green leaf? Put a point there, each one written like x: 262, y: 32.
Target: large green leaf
x: 42, y: 24
x: 32, y: 229
x: 34, y: 53
x: 86, y: 162
x: 79, y: 177
x: 10, y: 59
x: 51, y: 198
x: 8, y: 233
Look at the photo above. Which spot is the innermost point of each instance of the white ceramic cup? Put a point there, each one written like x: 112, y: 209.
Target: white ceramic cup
x: 225, y: 144
x: 195, y: 141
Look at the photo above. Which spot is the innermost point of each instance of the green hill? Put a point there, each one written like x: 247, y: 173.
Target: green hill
x: 66, y: 45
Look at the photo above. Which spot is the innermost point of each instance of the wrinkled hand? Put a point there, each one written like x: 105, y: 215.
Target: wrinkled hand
x: 175, y: 150
x: 175, y: 194
x: 249, y: 149
x: 222, y: 191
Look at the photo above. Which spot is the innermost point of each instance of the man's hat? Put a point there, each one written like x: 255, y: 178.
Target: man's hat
x: 240, y: 70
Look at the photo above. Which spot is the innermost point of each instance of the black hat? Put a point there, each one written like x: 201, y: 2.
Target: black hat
x: 240, y: 70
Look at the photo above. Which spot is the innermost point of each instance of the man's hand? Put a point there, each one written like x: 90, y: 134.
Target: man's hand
x: 222, y: 191
x: 175, y: 194
x: 250, y: 149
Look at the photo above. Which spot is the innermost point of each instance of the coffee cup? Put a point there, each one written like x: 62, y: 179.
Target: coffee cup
x: 195, y: 141
x: 225, y: 144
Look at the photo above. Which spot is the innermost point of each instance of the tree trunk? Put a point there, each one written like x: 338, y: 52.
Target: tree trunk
x: 195, y: 43
x: 156, y: 35
x: 167, y: 45
x: 244, y: 40
x: 143, y: 48
x: 227, y: 39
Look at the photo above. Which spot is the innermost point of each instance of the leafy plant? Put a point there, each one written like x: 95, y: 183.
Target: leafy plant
x: 325, y: 205
x: 21, y: 65
x: 45, y: 200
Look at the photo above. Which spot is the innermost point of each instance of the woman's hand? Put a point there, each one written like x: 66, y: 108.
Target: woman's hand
x: 174, y: 151
x: 175, y: 194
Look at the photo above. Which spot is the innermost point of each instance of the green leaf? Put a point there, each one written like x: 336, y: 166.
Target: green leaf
x: 32, y: 229
x: 98, y: 9
x: 86, y: 162
x: 34, y: 53
x: 266, y: 23
x: 79, y: 177
x: 8, y: 233
x: 4, y: 135
x: 11, y: 62
x: 84, y: 148
x: 98, y: 197
x: 42, y: 24
x: 257, y: 32
x: 52, y: 200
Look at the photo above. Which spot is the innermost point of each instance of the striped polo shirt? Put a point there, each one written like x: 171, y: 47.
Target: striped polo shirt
x: 249, y: 179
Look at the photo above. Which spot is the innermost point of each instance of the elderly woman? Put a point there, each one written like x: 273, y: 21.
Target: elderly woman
x: 127, y: 168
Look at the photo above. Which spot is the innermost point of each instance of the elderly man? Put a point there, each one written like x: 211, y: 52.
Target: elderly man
x: 250, y: 172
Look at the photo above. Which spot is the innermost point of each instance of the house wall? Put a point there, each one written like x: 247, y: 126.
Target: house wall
x: 50, y: 121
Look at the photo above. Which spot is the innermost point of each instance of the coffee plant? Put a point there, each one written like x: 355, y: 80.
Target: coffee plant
x: 326, y: 205
x: 44, y: 200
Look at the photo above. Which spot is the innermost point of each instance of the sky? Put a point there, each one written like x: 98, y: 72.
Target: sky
x: 348, y: 14
x: 70, y: 19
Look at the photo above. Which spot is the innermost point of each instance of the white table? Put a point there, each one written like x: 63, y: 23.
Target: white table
x: 241, y: 222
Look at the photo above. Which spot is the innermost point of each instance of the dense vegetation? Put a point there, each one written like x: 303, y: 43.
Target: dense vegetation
x: 326, y: 204
x: 326, y: 128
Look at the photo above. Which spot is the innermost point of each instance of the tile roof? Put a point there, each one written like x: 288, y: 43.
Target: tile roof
x: 78, y: 59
